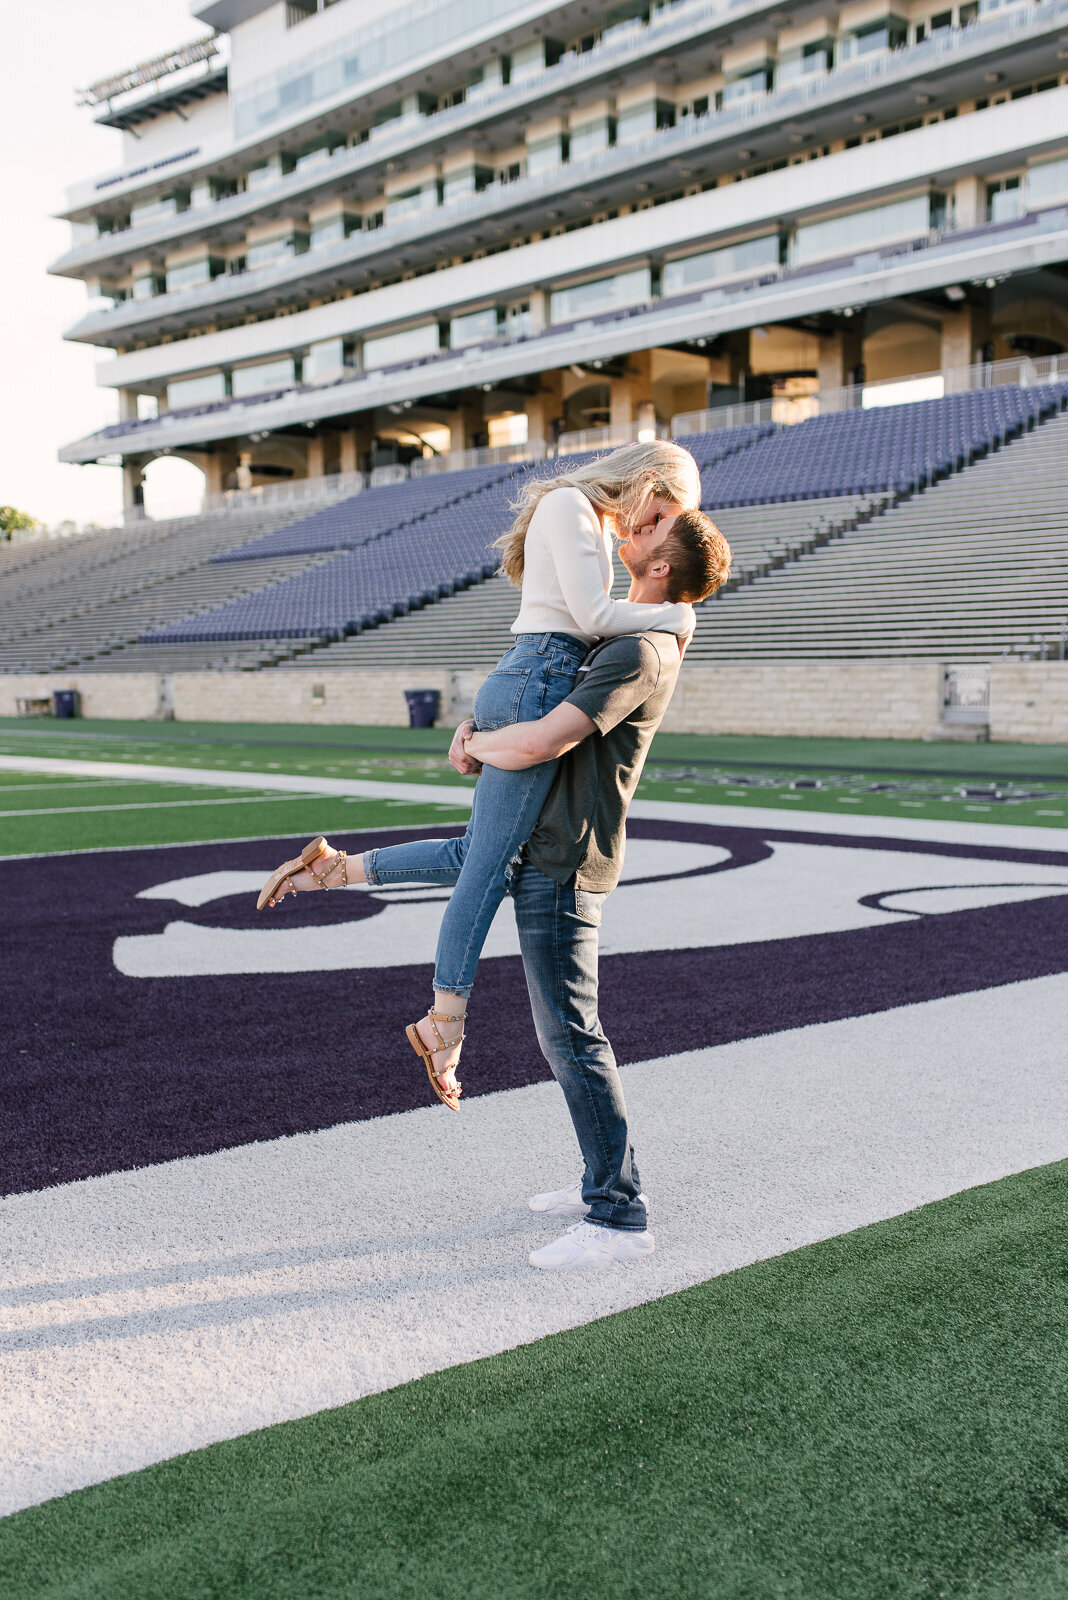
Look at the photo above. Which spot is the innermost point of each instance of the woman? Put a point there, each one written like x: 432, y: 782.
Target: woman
x: 559, y: 553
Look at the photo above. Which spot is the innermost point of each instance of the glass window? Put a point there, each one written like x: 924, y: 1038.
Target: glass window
x: 755, y: 80
x: 381, y: 46
x: 167, y: 205
x: 196, y: 391
x: 474, y: 328
x: 266, y: 251
x: 191, y: 274
x: 411, y: 202
x: 591, y: 137
x: 280, y: 374
x: 546, y: 154
x: 730, y: 261
x: 406, y: 346
x: 861, y: 230
x: 587, y: 299
x: 807, y: 62
x: 884, y: 33
x: 1047, y: 182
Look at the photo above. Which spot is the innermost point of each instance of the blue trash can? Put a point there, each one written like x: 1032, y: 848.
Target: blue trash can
x: 424, y: 707
x: 65, y: 703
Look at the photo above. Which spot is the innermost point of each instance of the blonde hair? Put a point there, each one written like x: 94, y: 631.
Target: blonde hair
x: 619, y: 485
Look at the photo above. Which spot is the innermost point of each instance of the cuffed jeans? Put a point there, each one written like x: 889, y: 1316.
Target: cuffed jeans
x: 532, y: 678
x: 558, y: 940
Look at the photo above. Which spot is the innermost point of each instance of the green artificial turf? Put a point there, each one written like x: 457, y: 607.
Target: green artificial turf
x: 1022, y: 784
x: 879, y: 1417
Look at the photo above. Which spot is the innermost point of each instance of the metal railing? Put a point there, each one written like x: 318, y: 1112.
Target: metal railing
x: 787, y: 410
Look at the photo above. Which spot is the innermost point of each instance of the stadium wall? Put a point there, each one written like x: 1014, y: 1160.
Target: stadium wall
x: 806, y: 698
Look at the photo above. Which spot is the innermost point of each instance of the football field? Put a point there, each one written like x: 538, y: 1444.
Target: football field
x: 267, y: 1326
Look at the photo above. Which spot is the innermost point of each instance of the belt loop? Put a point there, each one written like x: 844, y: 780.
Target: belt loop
x: 544, y: 643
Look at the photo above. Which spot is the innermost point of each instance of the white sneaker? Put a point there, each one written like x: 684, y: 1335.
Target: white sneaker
x: 588, y: 1246
x: 567, y: 1202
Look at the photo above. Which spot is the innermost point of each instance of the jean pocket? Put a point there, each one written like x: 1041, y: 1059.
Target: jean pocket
x: 498, y: 701
x: 588, y: 907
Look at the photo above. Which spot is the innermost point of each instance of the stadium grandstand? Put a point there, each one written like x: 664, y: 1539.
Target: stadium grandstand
x: 366, y: 276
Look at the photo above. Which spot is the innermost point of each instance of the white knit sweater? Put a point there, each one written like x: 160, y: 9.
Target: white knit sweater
x: 567, y: 573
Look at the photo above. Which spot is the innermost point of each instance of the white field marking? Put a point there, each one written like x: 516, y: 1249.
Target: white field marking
x: 925, y: 830
x: 63, y: 787
x: 186, y: 844
x: 931, y: 830
x: 152, y: 1312
x: 357, y: 788
x: 799, y: 890
x: 162, y: 805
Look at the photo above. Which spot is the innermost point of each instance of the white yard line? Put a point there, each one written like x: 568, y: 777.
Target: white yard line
x: 1008, y: 835
x: 160, y: 805
x: 151, y: 1312
x: 349, y: 788
x: 925, y: 830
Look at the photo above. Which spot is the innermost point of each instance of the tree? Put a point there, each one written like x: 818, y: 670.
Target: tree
x: 12, y: 521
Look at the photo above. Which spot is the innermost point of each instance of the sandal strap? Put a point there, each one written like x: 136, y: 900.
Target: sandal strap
x: 434, y: 1017
x: 340, y: 856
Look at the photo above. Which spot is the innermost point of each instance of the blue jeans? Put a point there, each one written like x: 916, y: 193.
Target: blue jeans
x: 558, y: 939
x: 533, y: 677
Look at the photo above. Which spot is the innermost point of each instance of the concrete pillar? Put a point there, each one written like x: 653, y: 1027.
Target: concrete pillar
x: 127, y: 405
x: 244, y: 469
x: 217, y: 466
x: 839, y: 355
x: 965, y: 329
x: 133, y: 489
x: 347, y: 450
x: 315, y: 455
x: 544, y: 407
x: 539, y: 311
x: 621, y: 401
x: 969, y: 201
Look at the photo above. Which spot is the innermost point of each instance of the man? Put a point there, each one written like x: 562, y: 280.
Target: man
x: 572, y: 862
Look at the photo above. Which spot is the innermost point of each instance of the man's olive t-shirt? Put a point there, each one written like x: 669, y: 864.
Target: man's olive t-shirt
x: 624, y: 689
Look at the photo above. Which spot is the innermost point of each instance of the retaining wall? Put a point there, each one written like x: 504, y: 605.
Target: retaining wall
x: 831, y: 699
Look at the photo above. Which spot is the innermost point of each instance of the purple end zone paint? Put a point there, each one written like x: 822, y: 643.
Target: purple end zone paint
x: 103, y: 1072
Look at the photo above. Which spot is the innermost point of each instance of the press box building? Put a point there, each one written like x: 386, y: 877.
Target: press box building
x: 347, y: 232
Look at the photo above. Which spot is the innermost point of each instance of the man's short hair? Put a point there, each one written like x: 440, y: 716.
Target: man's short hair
x: 700, y: 557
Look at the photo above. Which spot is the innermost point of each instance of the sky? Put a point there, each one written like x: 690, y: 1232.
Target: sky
x: 48, y: 393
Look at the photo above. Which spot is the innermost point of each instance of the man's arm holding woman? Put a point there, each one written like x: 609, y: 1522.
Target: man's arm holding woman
x: 521, y: 744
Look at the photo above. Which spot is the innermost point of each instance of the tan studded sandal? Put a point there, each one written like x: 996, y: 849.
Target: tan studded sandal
x: 279, y: 884
x: 427, y: 1056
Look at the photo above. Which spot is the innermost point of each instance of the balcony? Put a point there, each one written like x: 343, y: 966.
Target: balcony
x: 672, y: 29
x: 928, y: 260
x: 319, y: 270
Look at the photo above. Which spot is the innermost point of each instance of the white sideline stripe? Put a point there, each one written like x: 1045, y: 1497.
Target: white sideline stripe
x: 152, y: 1312
x: 158, y: 805
x: 1008, y: 835
x: 284, y: 783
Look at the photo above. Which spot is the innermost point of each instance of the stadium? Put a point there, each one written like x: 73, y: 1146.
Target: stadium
x: 268, y: 1322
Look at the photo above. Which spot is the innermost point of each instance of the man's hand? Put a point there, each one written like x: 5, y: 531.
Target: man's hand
x: 466, y: 765
x: 526, y: 744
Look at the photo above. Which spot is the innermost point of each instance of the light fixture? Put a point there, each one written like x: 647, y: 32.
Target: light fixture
x: 954, y: 292
x: 746, y: 155
x: 991, y: 77
x: 991, y: 283
x: 924, y: 99
x: 860, y: 118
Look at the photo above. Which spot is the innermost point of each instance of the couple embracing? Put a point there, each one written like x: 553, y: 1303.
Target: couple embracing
x: 561, y: 730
